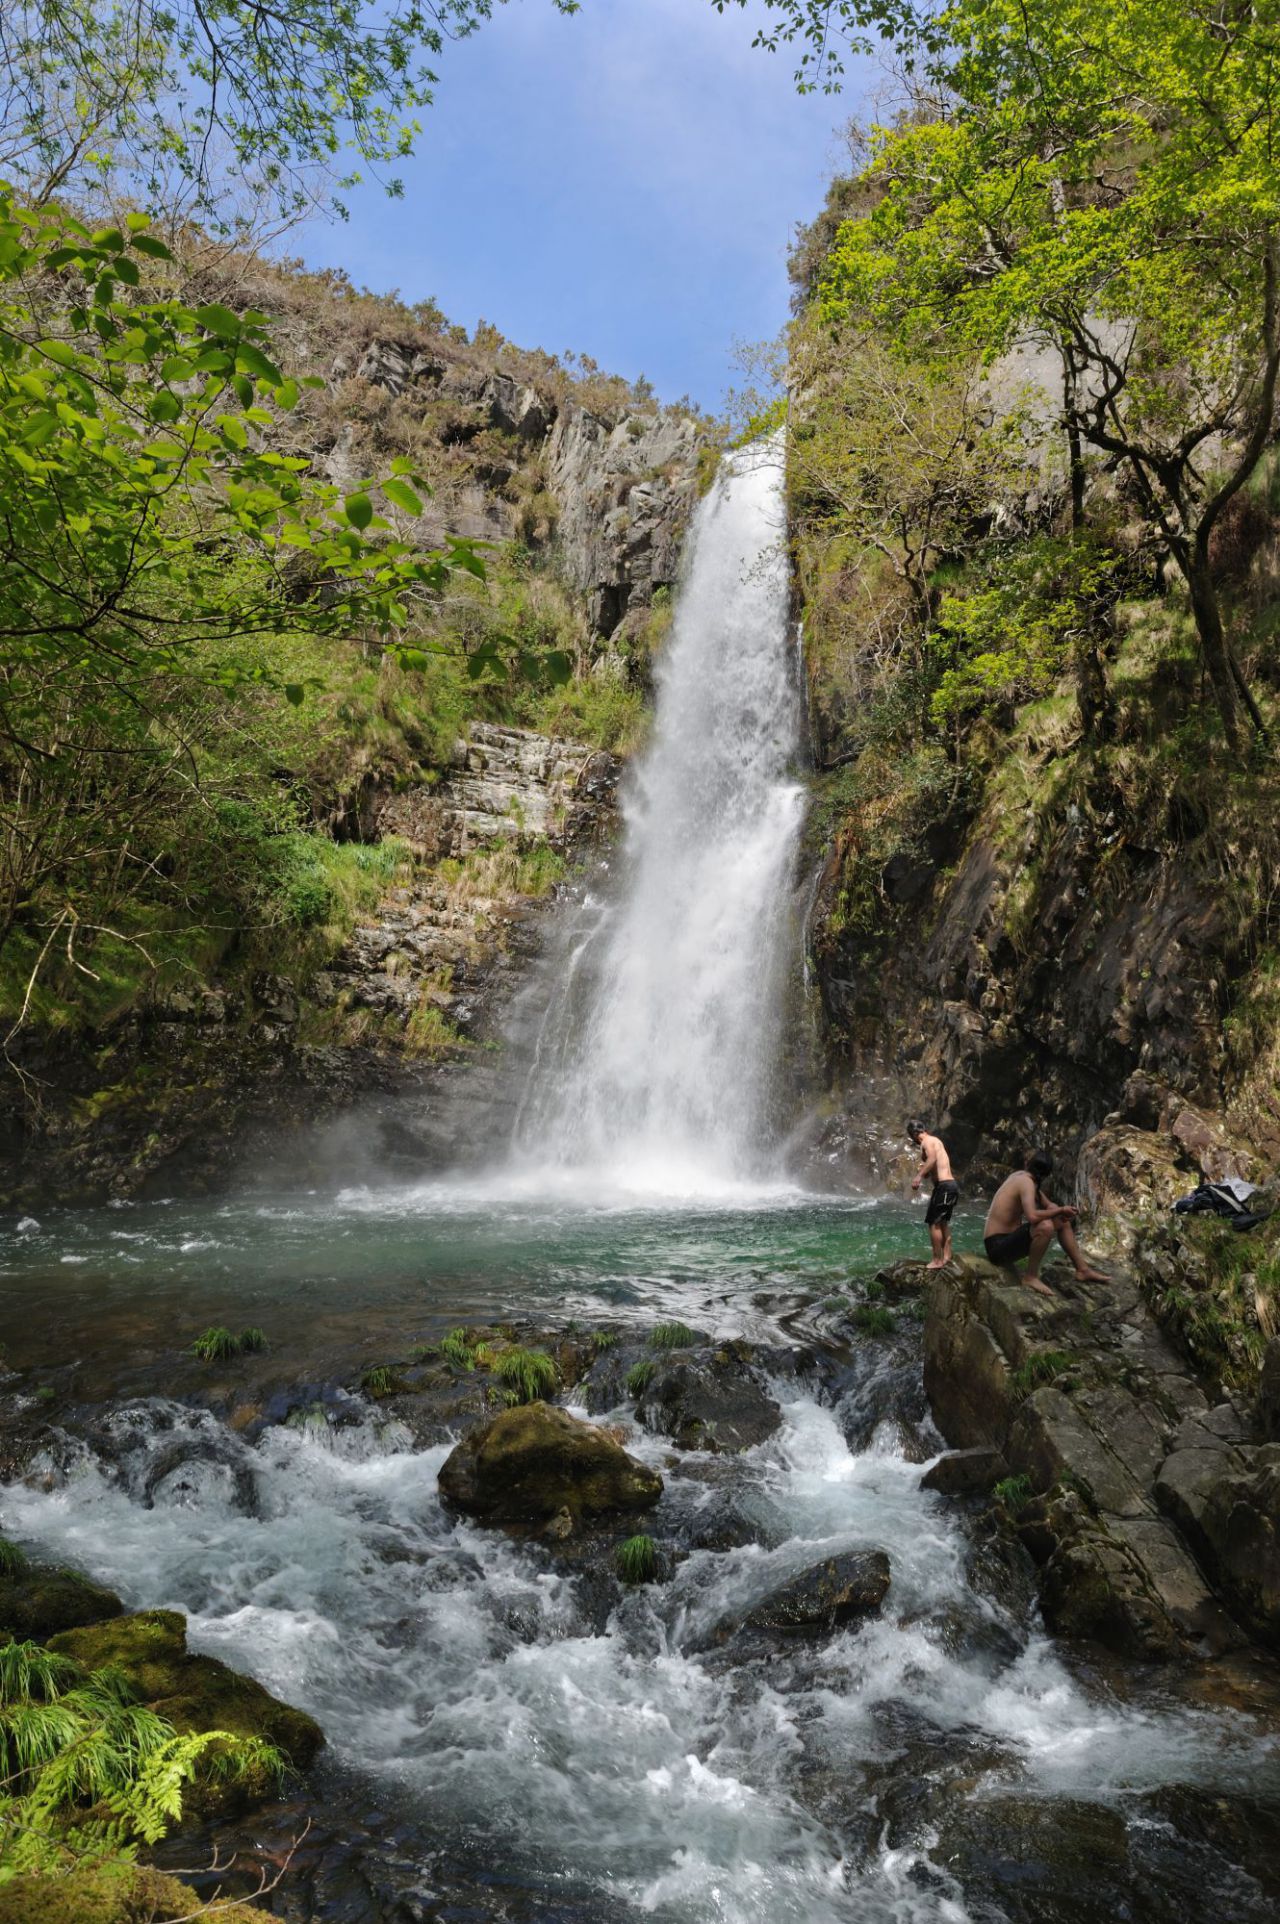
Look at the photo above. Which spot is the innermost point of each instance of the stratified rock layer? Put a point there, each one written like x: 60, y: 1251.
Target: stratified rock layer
x: 1146, y: 1499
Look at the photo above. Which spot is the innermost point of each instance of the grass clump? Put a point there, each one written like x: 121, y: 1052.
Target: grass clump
x: 218, y: 1344
x: 458, y: 1350
x: 13, y: 1561
x: 527, y: 1373
x: 638, y: 1560
x: 1013, y: 1493
x: 874, y: 1320
x: 640, y: 1375
x: 1044, y: 1366
x: 378, y: 1381
x: 603, y: 1339
x: 673, y: 1336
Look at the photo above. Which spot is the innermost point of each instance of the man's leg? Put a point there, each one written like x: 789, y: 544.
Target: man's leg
x: 937, y: 1234
x: 946, y: 1242
x: 1041, y: 1237
x: 1085, y: 1273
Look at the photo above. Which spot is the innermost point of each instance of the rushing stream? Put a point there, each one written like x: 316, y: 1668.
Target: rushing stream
x: 512, y: 1733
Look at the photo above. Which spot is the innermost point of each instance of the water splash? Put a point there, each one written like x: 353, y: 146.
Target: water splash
x: 656, y: 1067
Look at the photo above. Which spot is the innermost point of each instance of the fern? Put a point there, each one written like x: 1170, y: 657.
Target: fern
x: 86, y: 1769
x: 529, y: 1373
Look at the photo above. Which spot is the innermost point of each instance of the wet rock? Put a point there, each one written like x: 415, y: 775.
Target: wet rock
x: 906, y: 1278
x: 1082, y: 1396
x: 534, y: 1461
x: 1269, y: 1392
x: 38, y: 1601
x: 1027, y: 1853
x: 1226, y: 1501
x: 708, y: 1400
x: 965, y: 1472
x: 109, y: 1894
x: 195, y: 1694
x: 837, y: 1591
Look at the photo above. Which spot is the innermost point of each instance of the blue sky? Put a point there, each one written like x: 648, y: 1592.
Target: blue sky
x: 622, y: 183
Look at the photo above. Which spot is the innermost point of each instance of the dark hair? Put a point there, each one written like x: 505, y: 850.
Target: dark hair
x: 1039, y: 1165
x: 915, y: 1129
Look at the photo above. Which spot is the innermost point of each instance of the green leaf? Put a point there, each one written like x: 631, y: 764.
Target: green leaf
x: 401, y: 495
x: 295, y: 693
x: 218, y: 320
x: 149, y: 245
x: 359, y: 510
x: 286, y: 395
x: 164, y: 406
x: 244, y: 388
x: 251, y: 360
x: 234, y: 431
x: 126, y: 270
x: 177, y: 368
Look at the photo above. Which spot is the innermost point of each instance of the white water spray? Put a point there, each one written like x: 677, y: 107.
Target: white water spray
x: 657, y: 1063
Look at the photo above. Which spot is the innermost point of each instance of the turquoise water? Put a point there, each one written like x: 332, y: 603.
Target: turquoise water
x: 461, y: 1251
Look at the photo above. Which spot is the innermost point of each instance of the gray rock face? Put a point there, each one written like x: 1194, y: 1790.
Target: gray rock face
x: 1088, y: 1400
x: 708, y: 1400
x: 838, y: 1591
x: 965, y: 1473
x: 626, y: 492
x: 506, y: 785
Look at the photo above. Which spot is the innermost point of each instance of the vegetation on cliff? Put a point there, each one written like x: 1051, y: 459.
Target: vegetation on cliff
x: 1036, y: 490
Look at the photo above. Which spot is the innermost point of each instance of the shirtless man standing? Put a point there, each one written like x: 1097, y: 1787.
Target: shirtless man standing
x: 1023, y: 1221
x: 935, y: 1162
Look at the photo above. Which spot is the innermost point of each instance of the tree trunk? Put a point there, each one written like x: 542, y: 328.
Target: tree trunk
x: 1213, y: 645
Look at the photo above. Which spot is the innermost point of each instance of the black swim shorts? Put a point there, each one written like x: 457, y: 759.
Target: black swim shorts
x: 943, y: 1200
x: 1010, y: 1247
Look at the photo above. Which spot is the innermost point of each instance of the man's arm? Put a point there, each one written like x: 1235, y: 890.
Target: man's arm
x: 1043, y: 1211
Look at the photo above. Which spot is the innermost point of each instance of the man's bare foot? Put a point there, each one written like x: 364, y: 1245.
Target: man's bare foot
x: 1041, y: 1289
x: 939, y: 1262
x: 1092, y: 1276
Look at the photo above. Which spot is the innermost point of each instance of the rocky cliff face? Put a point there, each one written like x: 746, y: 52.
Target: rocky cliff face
x: 194, y: 1081
x: 1148, y: 1498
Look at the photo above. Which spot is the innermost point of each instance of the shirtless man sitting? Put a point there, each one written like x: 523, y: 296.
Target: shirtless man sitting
x: 1023, y: 1221
x: 935, y: 1162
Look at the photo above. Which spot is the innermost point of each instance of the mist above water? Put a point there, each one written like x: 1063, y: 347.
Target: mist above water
x: 655, y: 1068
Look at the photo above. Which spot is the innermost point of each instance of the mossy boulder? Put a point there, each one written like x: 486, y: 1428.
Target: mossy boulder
x: 111, y: 1894
x: 196, y: 1694
x: 39, y: 1601
x: 532, y: 1462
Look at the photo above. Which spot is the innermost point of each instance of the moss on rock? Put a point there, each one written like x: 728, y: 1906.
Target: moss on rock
x: 39, y: 1601
x: 109, y: 1894
x: 532, y: 1462
x: 196, y: 1694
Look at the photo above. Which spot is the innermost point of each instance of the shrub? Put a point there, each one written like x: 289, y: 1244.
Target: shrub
x: 638, y: 1560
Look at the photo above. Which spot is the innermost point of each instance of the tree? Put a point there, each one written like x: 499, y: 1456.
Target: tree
x: 1107, y: 179
x: 137, y: 481
x: 177, y: 96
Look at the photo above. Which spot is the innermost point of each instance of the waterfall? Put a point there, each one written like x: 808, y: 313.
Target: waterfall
x: 656, y: 1067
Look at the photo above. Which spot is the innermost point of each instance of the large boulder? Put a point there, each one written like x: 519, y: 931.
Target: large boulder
x: 708, y: 1400
x: 38, y: 1601
x: 535, y: 1461
x: 837, y: 1591
x: 1226, y: 1502
x: 195, y: 1693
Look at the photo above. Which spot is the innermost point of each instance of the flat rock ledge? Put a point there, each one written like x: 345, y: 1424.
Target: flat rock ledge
x: 1154, y: 1516
x: 536, y: 1462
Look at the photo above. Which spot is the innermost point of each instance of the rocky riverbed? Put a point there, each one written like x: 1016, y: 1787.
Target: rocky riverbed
x: 620, y: 1614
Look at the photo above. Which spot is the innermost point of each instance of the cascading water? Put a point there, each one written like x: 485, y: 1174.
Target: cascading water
x: 656, y: 1065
